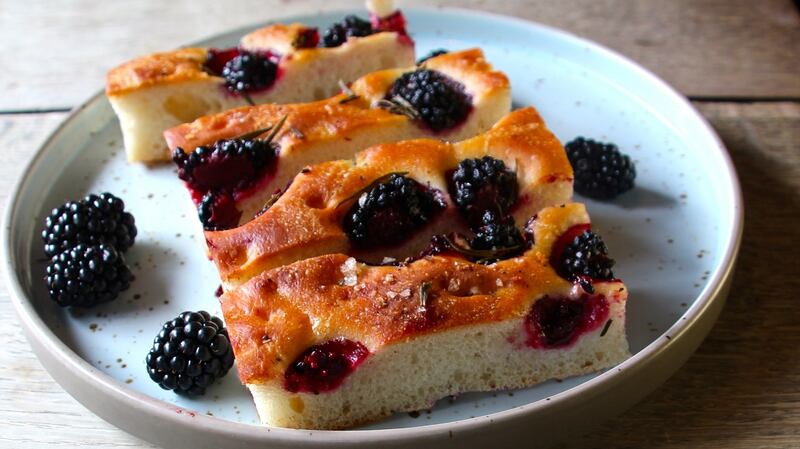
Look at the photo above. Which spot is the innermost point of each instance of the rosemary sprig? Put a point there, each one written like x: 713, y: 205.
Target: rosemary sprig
x: 399, y: 105
x: 247, y: 98
x: 370, y: 186
x: 350, y: 94
x: 272, y: 200
x: 605, y: 328
x: 483, y: 255
x: 253, y: 134
x: 275, y: 128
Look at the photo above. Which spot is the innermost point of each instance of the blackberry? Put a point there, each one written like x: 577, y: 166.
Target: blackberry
x: 95, y: 219
x: 217, y: 211
x: 249, y: 71
x: 585, y: 258
x: 324, y: 367
x: 216, y: 59
x: 189, y: 353
x: 351, y: 26
x: 229, y: 164
x: 485, y: 184
x: 389, y: 210
x: 306, y: 38
x: 600, y: 170
x: 436, y: 99
x: 87, y: 275
x: 496, y: 233
x: 432, y: 54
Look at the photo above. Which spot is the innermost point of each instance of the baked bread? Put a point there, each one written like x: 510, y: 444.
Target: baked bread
x: 329, y: 332
x: 283, y: 65
x: 306, y: 221
x: 328, y: 342
x: 331, y: 129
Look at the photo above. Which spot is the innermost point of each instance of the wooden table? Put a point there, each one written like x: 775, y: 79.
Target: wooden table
x: 738, y: 60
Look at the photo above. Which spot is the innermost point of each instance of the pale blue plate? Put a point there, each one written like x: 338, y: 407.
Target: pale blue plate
x: 675, y: 238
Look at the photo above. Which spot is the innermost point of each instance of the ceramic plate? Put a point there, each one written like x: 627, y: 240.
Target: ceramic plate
x: 674, y: 237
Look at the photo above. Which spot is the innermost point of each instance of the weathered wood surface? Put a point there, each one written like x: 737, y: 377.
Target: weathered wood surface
x: 739, y: 391
x: 55, y: 54
x: 741, y: 388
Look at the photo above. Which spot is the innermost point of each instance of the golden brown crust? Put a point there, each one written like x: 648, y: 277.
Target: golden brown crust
x: 319, y: 121
x: 472, y: 67
x: 160, y: 68
x: 278, y: 37
x: 277, y: 315
x: 307, y: 216
x: 187, y: 64
x: 331, y: 119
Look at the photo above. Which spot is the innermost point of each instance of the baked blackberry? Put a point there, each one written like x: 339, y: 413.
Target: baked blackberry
x: 351, y: 26
x: 432, y: 54
x: 249, y: 71
x: 497, y: 232
x: 189, y: 353
x: 585, y: 258
x: 439, y: 101
x: 87, y: 275
x: 485, y: 184
x: 389, y: 210
x: 324, y: 367
x: 216, y: 58
x: 229, y: 164
x: 601, y: 171
x: 306, y: 38
x: 95, y: 219
x: 217, y: 211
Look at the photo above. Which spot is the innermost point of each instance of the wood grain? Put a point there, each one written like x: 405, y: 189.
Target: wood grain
x: 739, y: 391
x: 55, y: 54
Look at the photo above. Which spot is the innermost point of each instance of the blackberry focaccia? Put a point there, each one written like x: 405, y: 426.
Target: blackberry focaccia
x: 419, y: 270
x: 315, y: 214
x: 276, y: 64
x: 230, y: 177
x: 329, y: 342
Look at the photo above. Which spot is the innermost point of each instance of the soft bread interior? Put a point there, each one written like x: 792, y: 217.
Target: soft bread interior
x: 414, y: 374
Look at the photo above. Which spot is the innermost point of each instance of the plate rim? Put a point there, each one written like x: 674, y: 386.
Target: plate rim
x: 36, y: 329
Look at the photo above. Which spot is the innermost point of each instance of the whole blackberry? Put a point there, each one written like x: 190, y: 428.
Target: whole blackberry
x: 227, y: 164
x: 338, y: 33
x: 586, y: 256
x: 95, y: 219
x: 217, y: 211
x: 249, y: 72
x: 388, y: 211
x: 483, y: 184
x: 189, y: 353
x: 497, y: 232
x: 432, y: 54
x: 87, y: 275
x: 600, y: 170
x: 438, y: 100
